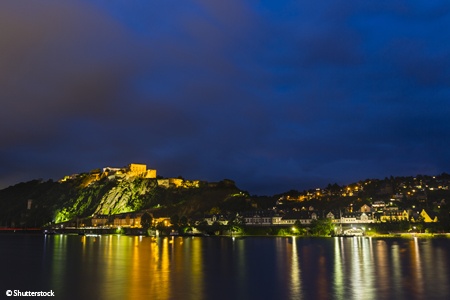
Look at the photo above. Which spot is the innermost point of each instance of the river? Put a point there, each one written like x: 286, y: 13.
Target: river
x: 135, y: 267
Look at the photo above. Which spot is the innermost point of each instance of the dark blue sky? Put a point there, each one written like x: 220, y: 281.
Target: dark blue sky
x: 275, y: 95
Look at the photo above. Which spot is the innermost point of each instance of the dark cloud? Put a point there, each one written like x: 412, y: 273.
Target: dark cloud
x: 275, y: 95
x: 58, y: 61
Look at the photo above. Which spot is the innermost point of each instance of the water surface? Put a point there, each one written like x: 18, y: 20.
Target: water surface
x: 133, y: 267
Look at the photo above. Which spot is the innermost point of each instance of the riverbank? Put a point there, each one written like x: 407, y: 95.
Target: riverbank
x: 410, y: 235
x: 406, y: 235
x: 139, y: 231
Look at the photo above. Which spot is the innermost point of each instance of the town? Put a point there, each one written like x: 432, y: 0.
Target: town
x: 395, y: 204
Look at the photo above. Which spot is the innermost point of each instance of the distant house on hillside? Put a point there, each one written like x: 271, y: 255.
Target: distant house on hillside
x: 378, y: 205
x: 365, y: 208
x: 334, y: 216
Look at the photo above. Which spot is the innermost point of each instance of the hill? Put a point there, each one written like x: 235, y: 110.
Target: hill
x: 37, y: 203
x: 116, y: 191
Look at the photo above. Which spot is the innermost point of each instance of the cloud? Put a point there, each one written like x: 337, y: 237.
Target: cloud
x: 275, y: 95
x: 58, y: 61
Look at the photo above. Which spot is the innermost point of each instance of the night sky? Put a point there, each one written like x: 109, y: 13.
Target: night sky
x: 276, y: 95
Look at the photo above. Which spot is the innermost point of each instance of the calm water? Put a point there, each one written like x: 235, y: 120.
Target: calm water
x: 124, y: 267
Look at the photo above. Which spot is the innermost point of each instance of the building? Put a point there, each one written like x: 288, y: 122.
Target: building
x: 164, y: 183
x: 141, y: 171
x: 394, y: 216
x: 425, y: 216
x: 357, y: 217
x: 260, y: 218
x: 128, y: 220
x: 111, y: 170
x: 175, y: 182
x: 365, y: 208
x: 379, y: 205
x: 100, y: 220
x: 303, y: 217
x: 219, y: 219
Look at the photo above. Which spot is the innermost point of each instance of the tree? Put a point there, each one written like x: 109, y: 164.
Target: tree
x: 175, y: 219
x: 183, y: 221
x: 214, y: 211
x: 321, y: 227
x: 146, y: 221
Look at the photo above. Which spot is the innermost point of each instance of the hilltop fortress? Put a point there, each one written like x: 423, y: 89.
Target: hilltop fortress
x: 132, y: 170
x: 135, y: 170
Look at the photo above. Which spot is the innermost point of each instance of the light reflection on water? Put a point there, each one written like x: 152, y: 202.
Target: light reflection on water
x: 296, y: 279
x: 133, y: 267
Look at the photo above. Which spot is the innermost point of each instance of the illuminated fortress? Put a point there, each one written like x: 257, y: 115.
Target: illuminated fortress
x: 134, y: 170
x: 140, y: 170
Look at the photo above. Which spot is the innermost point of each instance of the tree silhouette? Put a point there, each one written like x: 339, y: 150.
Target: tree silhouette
x: 146, y: 221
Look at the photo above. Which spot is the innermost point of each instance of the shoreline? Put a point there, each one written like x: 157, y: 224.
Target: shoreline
x: 405, y: 235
